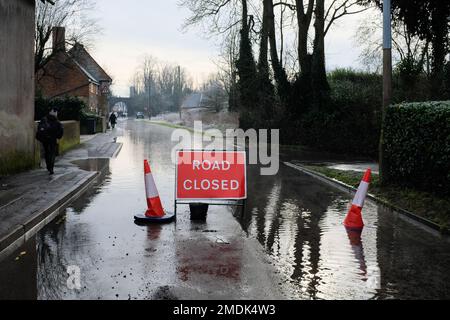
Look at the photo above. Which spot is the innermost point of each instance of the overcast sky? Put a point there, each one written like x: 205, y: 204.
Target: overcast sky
x: 134, y: 28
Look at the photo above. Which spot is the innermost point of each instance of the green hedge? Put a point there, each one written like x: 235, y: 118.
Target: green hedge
x: 69, y: 108
x: 349, y: 121
x: 416, y: 146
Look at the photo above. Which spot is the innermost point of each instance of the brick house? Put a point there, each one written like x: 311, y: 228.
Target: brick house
x: 74, y: 73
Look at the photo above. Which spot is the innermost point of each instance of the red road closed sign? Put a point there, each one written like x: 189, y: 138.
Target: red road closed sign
x: 209, y: 175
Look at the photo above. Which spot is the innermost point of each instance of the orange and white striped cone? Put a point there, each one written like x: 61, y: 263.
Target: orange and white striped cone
x: 354, y: 218
x: 155, y: 212
x: 154, y: 206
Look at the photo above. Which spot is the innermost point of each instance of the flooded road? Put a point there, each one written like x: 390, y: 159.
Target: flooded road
x: 299, y: 223
x: 289, y: 243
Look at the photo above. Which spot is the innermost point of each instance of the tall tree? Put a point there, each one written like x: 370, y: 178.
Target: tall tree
x: 283, y: 84
x: 319, y: 75
x: 72, y: 14
x: 304, y: 18
x: 428, y: 19
x: 226, y: 63
x: 246, y: 65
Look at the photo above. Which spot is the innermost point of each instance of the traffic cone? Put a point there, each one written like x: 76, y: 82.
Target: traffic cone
x: 155, y: 209
x: 155, y: 212
x: 354, y: 219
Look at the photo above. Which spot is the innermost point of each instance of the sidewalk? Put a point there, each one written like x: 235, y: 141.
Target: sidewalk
x: 30, y: 200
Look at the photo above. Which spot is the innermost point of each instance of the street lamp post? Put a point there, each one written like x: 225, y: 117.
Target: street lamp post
x: 387, y: 80
x: 179, y: 89
x: 148, y: 99
x: 387, y: 54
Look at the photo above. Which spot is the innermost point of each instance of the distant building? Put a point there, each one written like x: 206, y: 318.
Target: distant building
x: 74, y: 73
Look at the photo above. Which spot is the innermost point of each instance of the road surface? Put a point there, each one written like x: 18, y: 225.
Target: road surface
x: 288, y: 244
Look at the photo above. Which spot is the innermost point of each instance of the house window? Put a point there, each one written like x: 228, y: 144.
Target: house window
x: 93, y: 88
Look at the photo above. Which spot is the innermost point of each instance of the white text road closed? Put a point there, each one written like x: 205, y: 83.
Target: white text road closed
x: 211, y: 175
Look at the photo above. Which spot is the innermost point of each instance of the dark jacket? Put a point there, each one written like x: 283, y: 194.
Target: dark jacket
x: 50, y: 130
x: 113, y: 118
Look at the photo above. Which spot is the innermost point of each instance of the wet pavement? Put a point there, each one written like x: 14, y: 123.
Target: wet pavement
x: 299, y: 223
x: 288, y: 244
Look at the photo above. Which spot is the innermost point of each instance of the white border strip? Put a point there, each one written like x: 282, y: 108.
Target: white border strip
x: 211, y: 199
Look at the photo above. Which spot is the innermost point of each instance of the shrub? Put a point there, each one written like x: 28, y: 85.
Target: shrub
x: 69, y: 108
x: 349, y: 120
x: 357, y: 77
x: 416, y: 146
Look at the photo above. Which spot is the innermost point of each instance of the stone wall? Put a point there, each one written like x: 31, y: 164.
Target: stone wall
x: 71, y: 136
x: 16, y: 85
x: 70, y: 139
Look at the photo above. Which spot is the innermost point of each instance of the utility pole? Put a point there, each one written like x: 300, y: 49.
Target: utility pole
x: 387, y: 54
x: 387, y: 79
x: 179, y: 89
x: 148, y: 100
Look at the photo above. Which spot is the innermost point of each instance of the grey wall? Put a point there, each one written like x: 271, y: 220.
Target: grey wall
x: 16, y: 85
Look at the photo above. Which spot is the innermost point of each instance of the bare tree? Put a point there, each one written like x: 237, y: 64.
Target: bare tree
x: 72, y: 14
x: 160, y: 86
x: 167, y: 79
x: 340, y: 8
x: 149, y: 71
x: 406, y: 46
x: 215, y: 92
x: 216, y: 16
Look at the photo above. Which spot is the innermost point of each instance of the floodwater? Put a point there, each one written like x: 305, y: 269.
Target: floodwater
x: 299, y: 223
x: 292, y: 219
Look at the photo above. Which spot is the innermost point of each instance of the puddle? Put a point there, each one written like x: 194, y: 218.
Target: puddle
x: 92, y: 164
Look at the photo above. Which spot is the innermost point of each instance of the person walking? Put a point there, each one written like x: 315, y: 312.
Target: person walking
x: 50, y: 130
x: 113, y: 119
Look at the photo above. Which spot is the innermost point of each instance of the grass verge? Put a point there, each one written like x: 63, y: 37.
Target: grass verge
x: 424, y: 204
x: 170, y: 125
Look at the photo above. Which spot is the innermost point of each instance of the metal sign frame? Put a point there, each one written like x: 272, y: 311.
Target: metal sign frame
x: 218, y: 201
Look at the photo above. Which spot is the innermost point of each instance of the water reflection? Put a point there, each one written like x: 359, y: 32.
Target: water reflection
x: 299, y: 223
x: 18, y: 274
x: 52, y: 251
x: 414, y: 263
x: 357, y: 248
x: 288, y: 225
x: 100, y: 165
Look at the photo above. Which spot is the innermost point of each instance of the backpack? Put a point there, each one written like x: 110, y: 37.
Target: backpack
x: 42, y: 131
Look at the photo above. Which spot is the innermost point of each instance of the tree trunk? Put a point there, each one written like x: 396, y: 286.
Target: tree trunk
x: 304, y: 21
x: 246, y: 66
x: 265, y: 87
x: 319, y: 75
x: 438, y: 43
x: 263, y: 64
x: 279, y: 72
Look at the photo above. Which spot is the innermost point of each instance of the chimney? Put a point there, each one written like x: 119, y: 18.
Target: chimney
x: 59, y: 39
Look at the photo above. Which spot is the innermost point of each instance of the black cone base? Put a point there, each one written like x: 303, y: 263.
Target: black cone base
x: 142, y: 218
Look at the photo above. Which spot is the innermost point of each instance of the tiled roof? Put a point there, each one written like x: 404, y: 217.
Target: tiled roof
x: 90, y: 76
x: 85, y: 61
